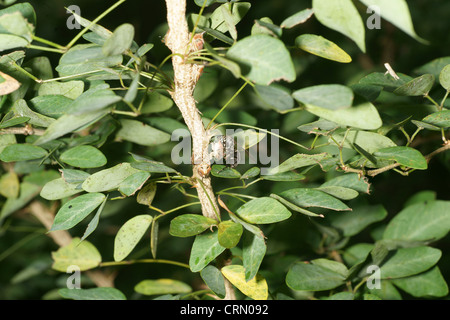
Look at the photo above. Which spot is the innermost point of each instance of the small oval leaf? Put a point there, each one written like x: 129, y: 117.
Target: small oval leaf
x: 188, y: 225
x: 75, y: 210
x: 84, y: 157
x: 263, y: 210
x: 129, y: 235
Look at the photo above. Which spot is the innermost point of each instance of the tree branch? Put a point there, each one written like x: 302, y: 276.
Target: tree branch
x: 185, y: 78
x: 178, y: 40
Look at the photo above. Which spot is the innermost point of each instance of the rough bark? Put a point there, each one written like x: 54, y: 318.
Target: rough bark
x: 178, y: 40
x: 185, y: 79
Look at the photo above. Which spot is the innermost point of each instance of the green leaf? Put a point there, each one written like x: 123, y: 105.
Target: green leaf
x: 444, y: 77
x: 424, y: 285
x: 140, y: 133
x: 156, y: 102
x: 238, y: 11
x: 419, y: 86
x: 73, y: 176
x: 386, y: 292
x: 363, y: 116
x: 207, y: 3
x: 341, y: 296
x: 83, y: 254
x: 356, y: 253
x: 15, y: 31
x: 253, y: 252
x: 69, y: 89
x: 251, y: 173
x: 421, y: 196
x: 84, y: 58
x: 229, y: 233
x: 51, y: 105
x: 59, y: 189
x: 25, y: 9
x: 94, y: 222
x: 434, y: 67
x: 152, y: 166
x: 370, y: 141
x: 133, y: 183
x: 6, y: 140
x: 310, y: 277
x: 262, y: 211
x: 352, y: 223
x: 256, y: 288
x: 305, y: 197
x: 147, y: 194
x: 275, y: 97
x: 228, y: 20
x: 103, y: 293
x: 409, y: 261
x: 397, y: 13
x: 265, y: 25
x: 284, y: 176
x: 8, y: 41
x: 96, y: 98
x: 75, y: 210
x: 349, y: 180
x: 294, y: 207
x: 206, y: 248
x: 328, y: 96
x: 129, y: 235
x: 108, y: 179
x: 161, y: 286
x: 40, y: 177
x: 440, y: 119
x: 342, y: 16
x: 384, y: 80
x: 222, y: 171
x: 298, y: 161
x: 207, y: 84
x: 424, y: 125
x: 406, y: 156
x: 342, y: 193
x: 332, y: 265
x: 119, y: 41
x: 13, y: 121
x: 22, y: 152
x: 319, y: 126
x: 20, y: 108
x: 213, y: 278
x: 84, y: 157
x: 187, y: 225
x: 322, y: 47
x: 297, y: 18
x: 267, y: 58
x: 69, y: 123
x: 420, y: 222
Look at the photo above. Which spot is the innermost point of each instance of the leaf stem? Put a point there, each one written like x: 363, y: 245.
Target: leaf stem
x: 261, y: 129
x: 433, y: 101
x: 227, y: 104
x: 128, y: 262
x: 443, y: 100
x: 48, y: 42
x: 36, y: 47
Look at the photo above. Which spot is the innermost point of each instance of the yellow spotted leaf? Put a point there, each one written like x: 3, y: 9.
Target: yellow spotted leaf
x: 82, y: 254
x: 256, y: 288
